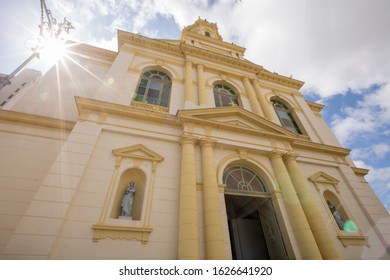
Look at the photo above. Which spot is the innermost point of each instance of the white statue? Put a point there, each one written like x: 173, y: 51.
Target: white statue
x: 127, y: 202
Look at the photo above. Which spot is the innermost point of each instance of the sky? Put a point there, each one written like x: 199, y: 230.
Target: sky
x: 339, y: 48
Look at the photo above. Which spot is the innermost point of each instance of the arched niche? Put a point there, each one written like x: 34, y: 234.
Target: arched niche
x: 337, y: 211
x: 133, y: 163
x: 347, y: 229
x: 139, y: 178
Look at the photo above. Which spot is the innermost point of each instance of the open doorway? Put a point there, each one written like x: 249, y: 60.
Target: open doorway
x: 253, y: 228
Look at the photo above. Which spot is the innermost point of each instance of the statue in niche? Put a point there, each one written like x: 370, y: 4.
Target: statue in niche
x: 336, y: 214
x: 127, y: 202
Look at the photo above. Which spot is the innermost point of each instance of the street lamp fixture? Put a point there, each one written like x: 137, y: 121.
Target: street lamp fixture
x: 49, y: 30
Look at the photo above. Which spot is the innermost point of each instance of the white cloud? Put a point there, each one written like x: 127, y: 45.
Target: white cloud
x: 111, y: 44
x: 373, y: 152
x: 326, y: 43
x: 369, y: 119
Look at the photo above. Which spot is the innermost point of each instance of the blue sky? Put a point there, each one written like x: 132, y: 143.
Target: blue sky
x: 339, y: 48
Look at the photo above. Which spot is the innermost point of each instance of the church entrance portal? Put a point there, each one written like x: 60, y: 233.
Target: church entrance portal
x: 253, y: 228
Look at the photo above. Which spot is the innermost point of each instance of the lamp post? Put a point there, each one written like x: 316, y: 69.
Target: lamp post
x: 49, y: 29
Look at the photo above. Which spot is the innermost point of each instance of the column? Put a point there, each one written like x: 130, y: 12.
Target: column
x: 266, y: 106
x: 252, y: 97
x: 301, y: 228
x: 201, y: 85
x: 188, y: 82
x: 312, y: 211
x: 214, y: 237
x: 188, y: 214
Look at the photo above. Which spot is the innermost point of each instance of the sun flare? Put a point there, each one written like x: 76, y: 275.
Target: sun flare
x: 52, y: 50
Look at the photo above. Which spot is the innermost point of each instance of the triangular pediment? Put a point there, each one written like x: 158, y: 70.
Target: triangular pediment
x: 322, y: 177
x: 235, y: 119
x: 138, y: 151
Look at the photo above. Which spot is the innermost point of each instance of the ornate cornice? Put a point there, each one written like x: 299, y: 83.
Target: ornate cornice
x: 275, y: 77
x: 360, y: 171
x: 315, y: 107
x: 220, y: 58
x: 86, y: 106
x: 321, y: 147
x: 126, y: 39
x: 210, y: 40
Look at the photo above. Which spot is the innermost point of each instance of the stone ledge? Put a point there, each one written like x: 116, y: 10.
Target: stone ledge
x: 119, y: 232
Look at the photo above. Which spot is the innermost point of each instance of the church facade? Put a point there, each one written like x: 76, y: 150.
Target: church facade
x: 177, y: 149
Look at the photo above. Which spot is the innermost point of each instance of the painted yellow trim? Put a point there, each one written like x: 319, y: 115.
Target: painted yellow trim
x: 360, y: 171
x: 142, y: 66
x: 149, y: 107
x: 276, y: 78
x: 322, y: 177
x: 127, y: 38
x: 139, y: 152
x: 353, y: 240
x: 117, y: 232
x: 86, y: 106
x: 322, y: 148
x: 105, y: 228
x: 315, y: 107
x: 202, y: 117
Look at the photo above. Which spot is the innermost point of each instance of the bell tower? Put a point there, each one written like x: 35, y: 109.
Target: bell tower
x: 205, y: 35
x: 203, y: 28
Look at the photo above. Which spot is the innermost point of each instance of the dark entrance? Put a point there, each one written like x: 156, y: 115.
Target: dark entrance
x: 253, y: 228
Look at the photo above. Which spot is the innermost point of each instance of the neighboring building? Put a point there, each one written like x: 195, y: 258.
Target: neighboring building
x: 22, y: 83
x: 227, y: 159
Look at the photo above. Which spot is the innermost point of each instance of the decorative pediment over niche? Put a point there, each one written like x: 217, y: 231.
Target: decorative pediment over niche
x: 235, y: 119
x: 323, y: 178
x: 139, y: 152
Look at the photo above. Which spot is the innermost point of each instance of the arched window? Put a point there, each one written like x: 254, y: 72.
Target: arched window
x: 339, y: 214
x: 285, y: 116
x: 225, y: 96
x: 207, y: 34
x: 240, y: 178
x: 154, y: 88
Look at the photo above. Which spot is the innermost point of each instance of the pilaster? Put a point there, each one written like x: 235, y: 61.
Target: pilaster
x: 201, y: 85
x: 188, y: 81
x: 252, y: 97
x: 266, y: 106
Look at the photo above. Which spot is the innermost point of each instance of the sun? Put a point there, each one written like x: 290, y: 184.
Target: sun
x: 52, y: 50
